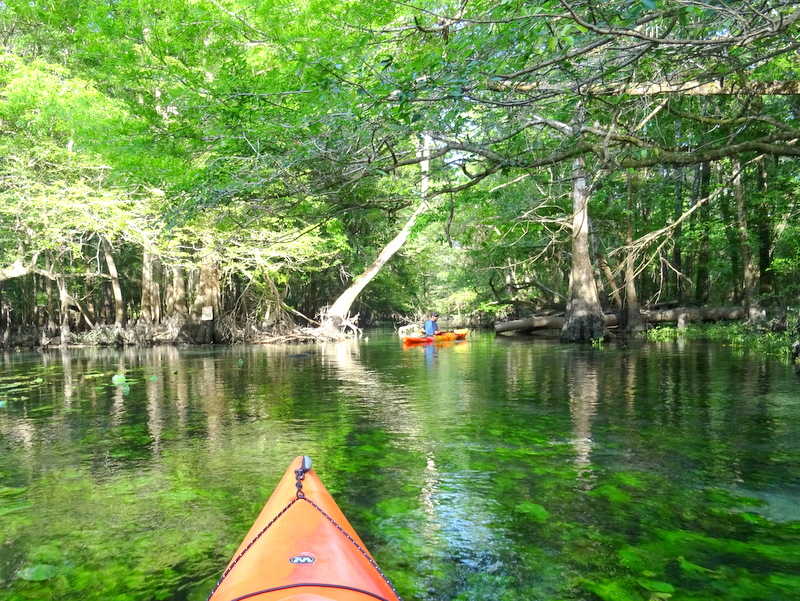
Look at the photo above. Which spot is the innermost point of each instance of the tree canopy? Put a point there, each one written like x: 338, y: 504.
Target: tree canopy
x: 550, y: 155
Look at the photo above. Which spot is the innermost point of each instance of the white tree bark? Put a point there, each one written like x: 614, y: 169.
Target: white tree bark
x: 340, y: 309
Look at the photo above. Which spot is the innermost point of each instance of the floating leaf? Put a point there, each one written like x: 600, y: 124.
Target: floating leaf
x: 118, y: 379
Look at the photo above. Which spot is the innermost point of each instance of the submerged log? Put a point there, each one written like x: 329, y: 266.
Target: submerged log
x: 683, y: 315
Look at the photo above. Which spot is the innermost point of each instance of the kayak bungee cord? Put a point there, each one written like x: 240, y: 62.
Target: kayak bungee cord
x: 359, y: 547
x: 249, y: 545
x: 305, y: 466
x: 340, y: 587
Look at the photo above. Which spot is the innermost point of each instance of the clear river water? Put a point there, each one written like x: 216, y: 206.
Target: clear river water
x: 491, y: 469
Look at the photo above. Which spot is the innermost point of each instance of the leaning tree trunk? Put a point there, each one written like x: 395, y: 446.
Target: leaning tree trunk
x: 340, y: 309
x: 338, y: 312
x: 584, y: 318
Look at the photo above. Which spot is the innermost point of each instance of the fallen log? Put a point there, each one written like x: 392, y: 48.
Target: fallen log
x: 682, y: 315
x: 694, y: 314
x: 552, y: 322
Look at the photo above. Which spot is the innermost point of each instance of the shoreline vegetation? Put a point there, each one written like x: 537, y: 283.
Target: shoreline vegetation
x: 774, y: 337
x: 753, y: 337
x: 173, y: 331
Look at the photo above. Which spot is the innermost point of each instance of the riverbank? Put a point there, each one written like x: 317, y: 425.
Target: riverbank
x: 188, y: 333
x: 172, y: 331
x: 740, y: 335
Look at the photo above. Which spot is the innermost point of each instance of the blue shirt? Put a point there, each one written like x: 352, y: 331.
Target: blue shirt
x: 430, y: 327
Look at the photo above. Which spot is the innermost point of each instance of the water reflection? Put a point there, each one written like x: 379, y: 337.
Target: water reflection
x: 458, y: 463
x: 583, y: 385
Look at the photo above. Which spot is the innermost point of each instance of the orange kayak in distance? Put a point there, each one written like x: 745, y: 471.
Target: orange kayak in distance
x: 302, y: 548
x: 443, y: 337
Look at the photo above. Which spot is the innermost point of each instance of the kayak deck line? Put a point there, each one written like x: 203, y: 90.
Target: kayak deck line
x: 353, y: 542
x: 248, y: 547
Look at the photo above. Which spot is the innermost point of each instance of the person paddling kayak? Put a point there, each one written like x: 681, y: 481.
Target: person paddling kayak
x: 431, y: 328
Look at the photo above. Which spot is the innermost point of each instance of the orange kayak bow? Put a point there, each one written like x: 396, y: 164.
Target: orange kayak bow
x: 302, y: 548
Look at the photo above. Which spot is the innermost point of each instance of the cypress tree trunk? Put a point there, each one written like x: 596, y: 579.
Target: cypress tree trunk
x: 703, y: 288
x: 151, y: 291
x: 633, y: 316
x: 65, y: 327
x: 766, y: 278
x: 146, y: 307
x: 749, y: 301
x: 207, y: 302
x: 52, y: 310
x: 176, y: 293
x: 728, y: 211
x: 677, y: 250
x: 116, y: 288
x: 584, y: 318
x: 5, y: 321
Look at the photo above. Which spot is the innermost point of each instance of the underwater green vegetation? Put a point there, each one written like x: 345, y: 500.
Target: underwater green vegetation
x: 489, y: 472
